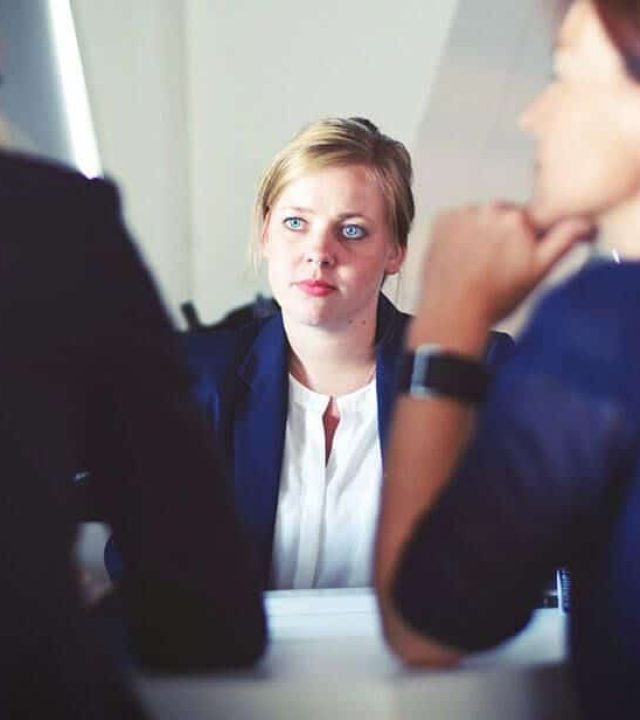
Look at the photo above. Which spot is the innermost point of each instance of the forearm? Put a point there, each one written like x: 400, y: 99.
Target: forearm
x: 427, y: 437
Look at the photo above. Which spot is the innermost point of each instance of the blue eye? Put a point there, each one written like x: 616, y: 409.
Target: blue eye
x: 353, y: 232
x: 294, y: 223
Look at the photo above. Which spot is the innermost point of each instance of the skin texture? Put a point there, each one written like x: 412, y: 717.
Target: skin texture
x: 587, y: 128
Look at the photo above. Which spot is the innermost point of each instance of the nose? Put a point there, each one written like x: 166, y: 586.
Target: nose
x: 525, y: 121
x: 530, y: 116
x: 320, y: 249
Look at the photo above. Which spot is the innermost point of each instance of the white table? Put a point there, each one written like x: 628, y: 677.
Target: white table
x: 327, y: 659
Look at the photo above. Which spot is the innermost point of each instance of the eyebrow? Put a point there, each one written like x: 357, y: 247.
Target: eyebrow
x: 341, y: 216
x: 295, y: 208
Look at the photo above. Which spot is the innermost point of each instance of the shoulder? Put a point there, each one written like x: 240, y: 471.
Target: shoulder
x: 614, y: 289
x: 585, y: 331
x: 35, y: 171
x: 216, y: 354
x: 38, y: 195
x: 391, y: 323
x: 22, y: 174
x: 217, y: 348
x: 599, y: 304
x: 213, y: 357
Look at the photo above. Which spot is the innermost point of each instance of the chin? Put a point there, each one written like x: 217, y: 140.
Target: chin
x: 544, y: 212
x: 309, y: 317
x: 312, y: 321
x: 321, y: 321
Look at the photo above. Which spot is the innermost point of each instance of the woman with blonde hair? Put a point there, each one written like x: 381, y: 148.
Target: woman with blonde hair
x: 300, y: 402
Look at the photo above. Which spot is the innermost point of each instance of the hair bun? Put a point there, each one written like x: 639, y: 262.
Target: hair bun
x: 365, y: 123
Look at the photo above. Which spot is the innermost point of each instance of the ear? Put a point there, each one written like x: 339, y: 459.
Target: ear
x: 395, y: 259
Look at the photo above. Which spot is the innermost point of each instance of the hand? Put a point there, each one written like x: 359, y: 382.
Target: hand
x: 485, y: 260
x: 92, y: 589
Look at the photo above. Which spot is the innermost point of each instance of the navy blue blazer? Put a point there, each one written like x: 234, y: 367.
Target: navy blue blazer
x: 241, y: 383
x: 551, y: 478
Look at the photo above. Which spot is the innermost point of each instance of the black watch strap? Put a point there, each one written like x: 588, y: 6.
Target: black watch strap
x: 430, y: 370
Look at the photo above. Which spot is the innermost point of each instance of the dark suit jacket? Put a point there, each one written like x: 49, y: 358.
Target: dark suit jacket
x: 241, y: 382
x: 92, y: 378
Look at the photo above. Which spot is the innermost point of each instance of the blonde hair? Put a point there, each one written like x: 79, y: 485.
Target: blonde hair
x: 332, y: 142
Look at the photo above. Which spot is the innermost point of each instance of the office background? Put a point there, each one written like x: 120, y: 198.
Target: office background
x: 188, y: 100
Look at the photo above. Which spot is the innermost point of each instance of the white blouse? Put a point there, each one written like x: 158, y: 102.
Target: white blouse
x: 327, y: 512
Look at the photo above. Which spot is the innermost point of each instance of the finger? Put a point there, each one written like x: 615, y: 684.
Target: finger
x: 557, y: 242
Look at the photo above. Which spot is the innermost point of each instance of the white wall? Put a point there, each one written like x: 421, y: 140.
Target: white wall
x: 193, y: 97
x: 133, y: 53
x: 259, y: 71
x: 469, y: 147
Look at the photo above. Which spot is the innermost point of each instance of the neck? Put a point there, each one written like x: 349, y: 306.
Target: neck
x: 620, y: 229
x: 329, y: 361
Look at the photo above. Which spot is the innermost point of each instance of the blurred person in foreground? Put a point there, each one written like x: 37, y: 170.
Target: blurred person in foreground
x: 479, y: 509
x: 91, y: 379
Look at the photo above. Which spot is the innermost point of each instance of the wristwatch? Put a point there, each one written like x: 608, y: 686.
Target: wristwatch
x: 429, y: 370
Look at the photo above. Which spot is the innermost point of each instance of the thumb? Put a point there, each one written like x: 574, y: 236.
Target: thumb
x: 557, y: 242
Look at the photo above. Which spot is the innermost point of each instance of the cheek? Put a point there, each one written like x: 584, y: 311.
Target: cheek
x: 589, y: 165
x: 609, y: 173
x: 371, y: 273
x: 276, y: 283
x: 280, y: 266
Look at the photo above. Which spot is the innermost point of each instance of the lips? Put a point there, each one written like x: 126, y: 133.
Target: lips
x: 315, y: 288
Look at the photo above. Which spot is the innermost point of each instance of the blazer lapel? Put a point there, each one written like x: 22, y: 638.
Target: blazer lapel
x: 390, y: 326
x: 259, y: 431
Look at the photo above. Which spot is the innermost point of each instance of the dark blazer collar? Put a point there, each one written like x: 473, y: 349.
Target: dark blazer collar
x: 390, y: 328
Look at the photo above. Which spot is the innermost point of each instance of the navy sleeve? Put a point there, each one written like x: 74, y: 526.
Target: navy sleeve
x: 528, y: 495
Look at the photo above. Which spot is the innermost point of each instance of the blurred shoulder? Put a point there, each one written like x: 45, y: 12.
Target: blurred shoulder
x: 603, y: 298
x: 584, y: 332
x: 25, y: 177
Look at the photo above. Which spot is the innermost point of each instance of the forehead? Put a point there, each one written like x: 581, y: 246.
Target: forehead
x: 343, y: 188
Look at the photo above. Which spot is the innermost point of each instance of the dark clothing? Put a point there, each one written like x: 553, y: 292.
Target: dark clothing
x: 92, y: 378
x: 551, y: 478
x: 241, y: 383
